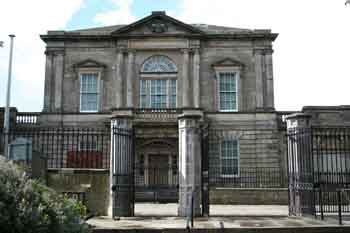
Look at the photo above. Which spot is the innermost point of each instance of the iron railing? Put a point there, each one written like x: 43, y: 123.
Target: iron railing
x: 248, y: 178
x: 81, y: 148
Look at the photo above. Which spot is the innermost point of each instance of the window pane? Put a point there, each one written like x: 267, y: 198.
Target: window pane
x: 227, y: 88
x: 159, y: 93
x: 88, y: 102
x: 88, y: 83
x: 229, y: 157
x: 172, y: 94
x: 143, y: 93
x: 89, y: 92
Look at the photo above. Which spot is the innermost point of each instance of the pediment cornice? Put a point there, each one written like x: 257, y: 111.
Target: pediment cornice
x: 228, y: 62
x: 158, y: 23
x: 89, y: 63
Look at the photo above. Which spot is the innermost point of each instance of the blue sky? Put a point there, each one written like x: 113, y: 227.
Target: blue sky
x: 85, y: 16
x: 311, y: 58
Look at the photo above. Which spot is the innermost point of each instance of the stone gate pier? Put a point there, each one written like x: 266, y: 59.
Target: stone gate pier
x: 189, y: 163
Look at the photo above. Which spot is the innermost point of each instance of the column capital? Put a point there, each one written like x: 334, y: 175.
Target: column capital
x: 190, y: 119
x: 262, y: 51
x: 121, y: 50
x: 57, y: 52
x: 48, y: 52
x: 268, y: 51
x: 120, y: 121
x: 195, y: 51
x: 185, y: 50
x: 122, y: 113
x: 130, y: 51
x: 258, y: 51
x: 298, y: 120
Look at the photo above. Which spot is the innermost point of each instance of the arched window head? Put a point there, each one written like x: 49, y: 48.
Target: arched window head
x: 158, y: 64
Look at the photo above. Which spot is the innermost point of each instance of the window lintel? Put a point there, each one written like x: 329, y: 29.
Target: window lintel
x: 228, y: 62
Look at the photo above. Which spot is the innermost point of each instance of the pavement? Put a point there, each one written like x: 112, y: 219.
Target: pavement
x: 170, y: 209
x: 241, y: 217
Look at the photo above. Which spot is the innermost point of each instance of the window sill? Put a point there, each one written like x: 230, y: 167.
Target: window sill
x: 228, y: 110
x: 230, y: 176
x: 88, y: 111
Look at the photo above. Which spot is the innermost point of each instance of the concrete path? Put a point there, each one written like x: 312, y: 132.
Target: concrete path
x: 161, y: 218
x: 150, y: 209
x: 133, y: 223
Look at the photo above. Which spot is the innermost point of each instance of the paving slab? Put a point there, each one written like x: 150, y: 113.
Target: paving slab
x: 217, y: 225
x: 170, y: 209
x: 223, y: 219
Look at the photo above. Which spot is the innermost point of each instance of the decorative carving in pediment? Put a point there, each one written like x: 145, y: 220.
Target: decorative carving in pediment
x: 157, y: 22
x: 228, y: 62
x: 158, y: 26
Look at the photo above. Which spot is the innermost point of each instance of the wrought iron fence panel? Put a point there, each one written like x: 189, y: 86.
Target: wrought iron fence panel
x: 79, y: 148
x: 320, y: 157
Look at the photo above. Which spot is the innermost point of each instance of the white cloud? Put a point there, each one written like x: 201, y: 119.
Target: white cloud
x: 312, y: 52
x: 28, y: 19
x: 120, y: 15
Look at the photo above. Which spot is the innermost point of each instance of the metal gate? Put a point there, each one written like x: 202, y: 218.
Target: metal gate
x: 300, y: 172
x: 319, y: 170
x: 156, y: 182
x: 122, y: 151
x: 205, y: 170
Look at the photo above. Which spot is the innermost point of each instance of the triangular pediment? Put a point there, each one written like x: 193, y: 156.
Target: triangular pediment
x: 89, y: 63
x: 228, y: 62
x: 157, y: 23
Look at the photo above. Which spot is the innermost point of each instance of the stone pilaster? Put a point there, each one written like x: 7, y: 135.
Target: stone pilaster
x: 189, y: 164
x: 59, y: 72
x: 196, y: 81
x: 121, y: 166
x: 48, y: 81
x: 185, y: 79
x: 129, y: 80
x: 118, y: 82
x: 259, y: 83
x: 270, y: 104
x: 300, y: 165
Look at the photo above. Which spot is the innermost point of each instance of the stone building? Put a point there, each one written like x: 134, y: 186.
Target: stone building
x: 171, y: 82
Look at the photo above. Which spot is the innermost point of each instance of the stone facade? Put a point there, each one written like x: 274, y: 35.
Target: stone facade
x: 195, y: 49
x: 200, y: 53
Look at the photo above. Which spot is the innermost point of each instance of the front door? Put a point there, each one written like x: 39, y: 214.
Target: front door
x: 158, y: 173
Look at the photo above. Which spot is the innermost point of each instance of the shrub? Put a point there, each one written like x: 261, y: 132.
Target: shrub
x: 26, y: 205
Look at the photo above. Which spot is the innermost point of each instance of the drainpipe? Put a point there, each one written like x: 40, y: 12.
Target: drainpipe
x: 7, y: 108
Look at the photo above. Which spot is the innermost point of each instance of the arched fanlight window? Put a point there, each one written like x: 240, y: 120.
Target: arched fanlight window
x: 158, y: 83
x: 158, y: 64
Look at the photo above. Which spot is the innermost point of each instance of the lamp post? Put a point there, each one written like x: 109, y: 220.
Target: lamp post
x: 7, y: 107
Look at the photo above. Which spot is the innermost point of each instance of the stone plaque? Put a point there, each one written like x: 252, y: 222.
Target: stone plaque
x: 21, y: 149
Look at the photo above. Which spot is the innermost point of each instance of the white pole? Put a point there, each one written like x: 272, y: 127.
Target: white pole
x: 7, y: 108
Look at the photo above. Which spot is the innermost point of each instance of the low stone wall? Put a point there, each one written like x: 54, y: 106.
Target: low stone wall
x: 94, y: 184
x: 238, y: 196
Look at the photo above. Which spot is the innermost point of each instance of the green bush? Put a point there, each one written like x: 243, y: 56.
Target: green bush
x: 26, y: 205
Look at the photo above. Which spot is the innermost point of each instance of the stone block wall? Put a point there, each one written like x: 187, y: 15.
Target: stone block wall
x: 94, y: 184
x: 232, y: 196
